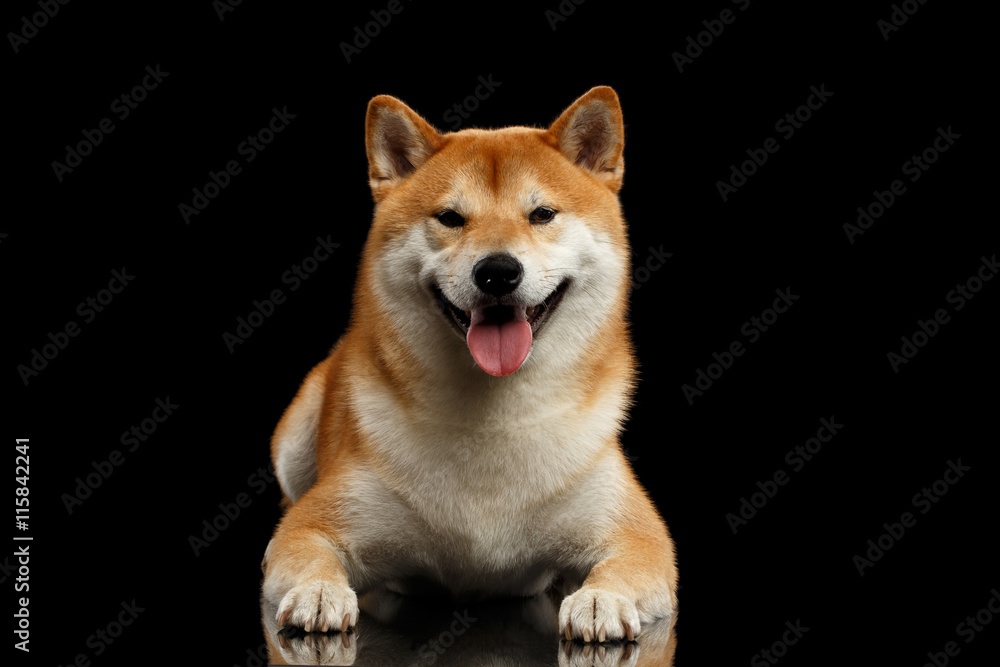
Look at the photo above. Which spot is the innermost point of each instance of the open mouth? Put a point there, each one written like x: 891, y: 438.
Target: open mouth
x: 500, y: 336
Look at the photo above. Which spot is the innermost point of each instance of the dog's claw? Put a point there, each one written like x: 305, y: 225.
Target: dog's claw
x: 599, y: 616
x: 346, y: 623
x: 569, y: 635
x: 316, y: 606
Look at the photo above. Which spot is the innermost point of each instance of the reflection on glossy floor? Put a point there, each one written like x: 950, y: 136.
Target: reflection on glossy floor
x: 395, y: 630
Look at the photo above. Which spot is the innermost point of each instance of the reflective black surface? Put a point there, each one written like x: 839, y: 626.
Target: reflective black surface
x: 401, y: 631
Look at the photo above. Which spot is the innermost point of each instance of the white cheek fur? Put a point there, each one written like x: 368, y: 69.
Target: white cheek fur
x: 413, y: 261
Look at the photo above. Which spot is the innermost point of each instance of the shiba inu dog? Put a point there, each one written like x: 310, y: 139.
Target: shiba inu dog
x: 462, y: 434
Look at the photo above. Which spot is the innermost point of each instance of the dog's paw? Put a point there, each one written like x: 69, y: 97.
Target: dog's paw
x: 593, y: 614
x: 319, y: 606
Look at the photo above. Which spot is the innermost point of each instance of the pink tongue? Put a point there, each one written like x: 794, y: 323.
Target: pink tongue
x: 499, y: 349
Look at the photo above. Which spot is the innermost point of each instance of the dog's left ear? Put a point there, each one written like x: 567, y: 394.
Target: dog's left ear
x: 591, y: 134
x: 398, y: 141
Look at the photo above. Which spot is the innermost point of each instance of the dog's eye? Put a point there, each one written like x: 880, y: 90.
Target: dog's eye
x: 449, y: 218
x: 542, y: 214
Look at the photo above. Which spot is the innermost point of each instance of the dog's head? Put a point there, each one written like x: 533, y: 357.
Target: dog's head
x: 510, y: 240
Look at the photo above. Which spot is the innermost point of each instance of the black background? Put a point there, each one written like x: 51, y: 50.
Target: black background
x: 825, y: 358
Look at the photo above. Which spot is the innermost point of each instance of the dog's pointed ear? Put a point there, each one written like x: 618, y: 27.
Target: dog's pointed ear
x: 397, y: 141
x: 591, y: 134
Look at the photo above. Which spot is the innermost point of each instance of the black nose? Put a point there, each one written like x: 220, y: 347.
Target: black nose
x: 497, y: 274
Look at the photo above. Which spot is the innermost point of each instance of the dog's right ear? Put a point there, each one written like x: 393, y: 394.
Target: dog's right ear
x: 398, y: 141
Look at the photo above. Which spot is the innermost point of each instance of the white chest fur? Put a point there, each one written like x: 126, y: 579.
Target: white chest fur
x: 479, y: 496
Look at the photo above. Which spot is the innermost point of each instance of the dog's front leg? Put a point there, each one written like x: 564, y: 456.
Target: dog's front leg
x: 304, y: 571
x: 634, y: 584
